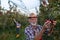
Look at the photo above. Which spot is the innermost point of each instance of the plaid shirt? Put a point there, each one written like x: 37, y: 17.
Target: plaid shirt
x: 30, y: 32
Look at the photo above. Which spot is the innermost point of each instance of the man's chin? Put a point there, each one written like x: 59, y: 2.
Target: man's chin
x: 33, y: 24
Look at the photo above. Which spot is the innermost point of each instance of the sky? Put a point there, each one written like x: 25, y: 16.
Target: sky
x: 4, y: 4
x: 29, y: 4
x: 25, y: 5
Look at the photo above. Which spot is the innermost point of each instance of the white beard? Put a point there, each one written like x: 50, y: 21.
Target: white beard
x: 34, y: 24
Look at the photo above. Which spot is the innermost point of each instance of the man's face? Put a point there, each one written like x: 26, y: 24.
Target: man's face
x: 33, y: 20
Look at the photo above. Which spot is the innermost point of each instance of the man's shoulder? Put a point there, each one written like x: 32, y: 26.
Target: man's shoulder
x: 28, y: 27
x: 39, y: 25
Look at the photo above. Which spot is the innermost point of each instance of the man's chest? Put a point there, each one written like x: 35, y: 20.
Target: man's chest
x: 34, y: 31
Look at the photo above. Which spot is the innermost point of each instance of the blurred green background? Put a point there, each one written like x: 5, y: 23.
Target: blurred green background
x: 8, y: 27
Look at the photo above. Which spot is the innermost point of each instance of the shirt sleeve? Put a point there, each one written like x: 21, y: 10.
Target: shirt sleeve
x: 39, y: 27
x: 47, y: 30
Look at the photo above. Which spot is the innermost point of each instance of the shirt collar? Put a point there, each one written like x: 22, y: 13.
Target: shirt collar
x: 31, y: 26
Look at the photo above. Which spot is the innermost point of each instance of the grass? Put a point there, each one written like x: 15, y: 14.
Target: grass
x: 11, y: 35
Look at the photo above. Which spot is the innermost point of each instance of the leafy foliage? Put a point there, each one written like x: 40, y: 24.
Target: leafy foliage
x: 8, y: 27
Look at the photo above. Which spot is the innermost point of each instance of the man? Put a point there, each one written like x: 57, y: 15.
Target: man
x: 35, y: 31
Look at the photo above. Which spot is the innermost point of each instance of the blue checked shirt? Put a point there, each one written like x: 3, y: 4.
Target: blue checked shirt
x: 30, y: 32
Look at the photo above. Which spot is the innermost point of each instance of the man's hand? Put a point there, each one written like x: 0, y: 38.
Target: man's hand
x: 47, y: 24
x: 51, y: 25
x: 54, y: 23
